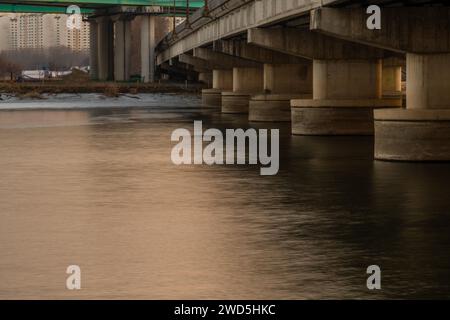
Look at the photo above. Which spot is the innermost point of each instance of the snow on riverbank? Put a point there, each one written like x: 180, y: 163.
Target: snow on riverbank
x: 94, y: 100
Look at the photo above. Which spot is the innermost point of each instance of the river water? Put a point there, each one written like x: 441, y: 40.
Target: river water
x: 95, y: 187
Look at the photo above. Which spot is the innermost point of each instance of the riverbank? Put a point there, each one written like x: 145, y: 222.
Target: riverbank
x: 79, y: 83
x: 34, y: 89
x: 98, y: 100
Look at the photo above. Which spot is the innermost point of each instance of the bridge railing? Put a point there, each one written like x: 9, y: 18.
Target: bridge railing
x: 216, y: 9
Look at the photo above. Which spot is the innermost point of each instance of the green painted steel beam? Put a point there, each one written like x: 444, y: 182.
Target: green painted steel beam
x: 24, y: 8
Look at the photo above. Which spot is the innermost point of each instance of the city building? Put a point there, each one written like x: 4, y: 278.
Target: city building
x: 38, y: 31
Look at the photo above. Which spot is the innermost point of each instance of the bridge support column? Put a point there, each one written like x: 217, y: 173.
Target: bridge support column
x: 282, y: 82
x: 148, y: 44
x: 93, y: 50
x: 105, y: 49
x: 246, y: 82
x: 222, y: 81
x: 345, y: 93
x: 421, y: 132
x: 392, y: 81
x: 206, y: 78
x: 122, y: 49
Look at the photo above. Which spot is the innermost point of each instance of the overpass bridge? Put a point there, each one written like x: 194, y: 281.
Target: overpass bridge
x: 316, y: 64
x: 110, y: 29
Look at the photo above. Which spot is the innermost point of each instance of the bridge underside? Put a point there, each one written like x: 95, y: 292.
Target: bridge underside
x: 316, y: 64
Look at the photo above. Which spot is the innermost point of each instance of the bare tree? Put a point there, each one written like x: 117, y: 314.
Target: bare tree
x: 54, y: 58
x: 9, y: 68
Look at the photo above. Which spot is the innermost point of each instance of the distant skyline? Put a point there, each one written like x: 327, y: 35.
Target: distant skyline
x: 39, y: 31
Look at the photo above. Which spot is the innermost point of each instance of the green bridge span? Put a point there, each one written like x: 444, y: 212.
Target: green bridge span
x: 88, y: 6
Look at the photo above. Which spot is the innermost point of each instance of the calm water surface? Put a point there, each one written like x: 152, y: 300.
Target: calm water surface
x: 96, y: 188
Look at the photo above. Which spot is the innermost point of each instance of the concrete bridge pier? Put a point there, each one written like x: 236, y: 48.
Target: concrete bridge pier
x: 105, y: 52
x: 346, y: 81
x: 204, y: 69
x: 93, y: 49
x: 345, y: 92
x: 421, y: 132
x: 148, y: 45
x: 392, y: 81
x: 122, y: 48
x: 223, y: 66
x: 246, y: 82
x: 392, y: 78
x: 206, y: 78
x: 222, y: 81
x: 285, y: 77
x: 282, y: 83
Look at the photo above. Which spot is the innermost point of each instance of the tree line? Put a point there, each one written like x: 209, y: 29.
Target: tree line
x: 54, y: 59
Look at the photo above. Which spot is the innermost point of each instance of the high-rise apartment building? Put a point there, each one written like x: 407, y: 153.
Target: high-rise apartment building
x: 78, y: 39
x: 39, y: 31
x: 30, y: 32
x: 4, y: 31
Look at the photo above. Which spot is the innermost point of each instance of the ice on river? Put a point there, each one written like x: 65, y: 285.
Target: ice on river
x: 94, y: 100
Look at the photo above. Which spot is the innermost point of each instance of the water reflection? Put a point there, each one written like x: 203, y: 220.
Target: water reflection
x: 97, y: 188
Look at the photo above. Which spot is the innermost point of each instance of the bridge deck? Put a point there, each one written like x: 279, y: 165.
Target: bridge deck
x: 229, y: 18
x: 59, y: 6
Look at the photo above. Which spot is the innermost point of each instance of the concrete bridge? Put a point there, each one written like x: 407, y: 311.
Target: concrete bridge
x: 317, y: 64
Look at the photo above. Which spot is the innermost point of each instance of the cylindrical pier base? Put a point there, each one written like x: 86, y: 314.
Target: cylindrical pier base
x: 222, y: 81
x: 421, y: 132
x: 212, y: 97
x: 412, y: 135
x: 337, y: 117
x: 272, y: 107
x: 235, y: 102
